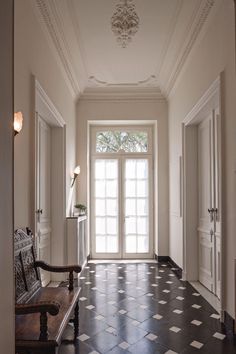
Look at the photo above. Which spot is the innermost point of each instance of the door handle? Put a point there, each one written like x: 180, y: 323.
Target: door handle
x: 39, y: 211
x: 211, y: 211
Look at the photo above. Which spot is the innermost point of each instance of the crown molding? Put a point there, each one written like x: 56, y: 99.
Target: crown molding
x: 198, y: 22
x: 51, y: 24
x: 122, y: 93
x: 42, y: 98
x: 211, y: 95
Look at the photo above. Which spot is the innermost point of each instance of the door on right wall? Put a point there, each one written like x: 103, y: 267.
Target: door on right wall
x: 209, y: 223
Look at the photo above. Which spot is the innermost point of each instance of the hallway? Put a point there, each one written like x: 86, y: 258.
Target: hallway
x: 144, y: 308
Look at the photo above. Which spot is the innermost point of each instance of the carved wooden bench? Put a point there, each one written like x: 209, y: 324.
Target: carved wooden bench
x: 42, y: 313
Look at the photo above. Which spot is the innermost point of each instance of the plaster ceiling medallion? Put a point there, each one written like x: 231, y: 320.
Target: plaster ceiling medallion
x: 125, y: 22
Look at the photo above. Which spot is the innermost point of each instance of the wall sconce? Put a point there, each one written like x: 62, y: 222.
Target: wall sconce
x: 18, y: 122
x: 76, y: 173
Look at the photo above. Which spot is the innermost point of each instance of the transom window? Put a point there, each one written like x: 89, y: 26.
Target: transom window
x: 113, y: 141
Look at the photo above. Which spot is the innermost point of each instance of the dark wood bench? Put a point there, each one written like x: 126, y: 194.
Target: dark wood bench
x: 42, y: 313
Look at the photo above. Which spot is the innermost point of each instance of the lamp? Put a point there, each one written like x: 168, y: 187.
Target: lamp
x: 76, y: 173
x: 18, y: 122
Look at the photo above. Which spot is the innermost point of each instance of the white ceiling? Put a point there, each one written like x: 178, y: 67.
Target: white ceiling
x: 93, y: 60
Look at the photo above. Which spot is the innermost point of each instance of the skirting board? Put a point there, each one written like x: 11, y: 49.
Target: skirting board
x: 167, y: 259
x: 229, y: 322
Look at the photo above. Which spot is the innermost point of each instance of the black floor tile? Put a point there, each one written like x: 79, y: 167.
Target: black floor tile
x: 143, y: 308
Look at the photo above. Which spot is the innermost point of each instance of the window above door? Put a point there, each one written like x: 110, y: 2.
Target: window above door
x: 121, y: 140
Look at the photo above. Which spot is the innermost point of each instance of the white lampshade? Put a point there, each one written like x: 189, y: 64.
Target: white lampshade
x: 77, y: 170
x: 18, y: 122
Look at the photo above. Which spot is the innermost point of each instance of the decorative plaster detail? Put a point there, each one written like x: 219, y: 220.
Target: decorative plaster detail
x: 196, y: 29
x: 125, y: 22
x: 122, y: 93
x: 151, y: 81
x: 53, y: 27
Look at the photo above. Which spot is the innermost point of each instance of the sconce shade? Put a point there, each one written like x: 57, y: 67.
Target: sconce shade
x: 76, y: 173
x: 77, y: 170
x: 18, y: 122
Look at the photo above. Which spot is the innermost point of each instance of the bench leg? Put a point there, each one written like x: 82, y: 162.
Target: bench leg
x: 76, y: 321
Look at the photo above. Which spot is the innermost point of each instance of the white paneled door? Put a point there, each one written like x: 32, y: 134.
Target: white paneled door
x: 209, y: 223
x: 43, y: 197
x: 121, y: 199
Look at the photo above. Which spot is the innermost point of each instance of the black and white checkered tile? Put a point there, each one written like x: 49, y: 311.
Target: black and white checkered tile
x: 144, y: 308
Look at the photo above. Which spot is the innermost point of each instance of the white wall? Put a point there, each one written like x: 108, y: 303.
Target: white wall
x: 128, y: 110
x: 33, y: 56
x: 6, y: 180
x: 214, y: 54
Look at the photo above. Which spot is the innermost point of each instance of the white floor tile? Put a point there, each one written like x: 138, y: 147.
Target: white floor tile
x: 196, y: 344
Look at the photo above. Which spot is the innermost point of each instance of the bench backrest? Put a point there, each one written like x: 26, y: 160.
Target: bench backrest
x: 27, y: 277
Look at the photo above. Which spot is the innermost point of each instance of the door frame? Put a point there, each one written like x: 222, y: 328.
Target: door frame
x: 209, y: 102
x: 91, y: 124
x: 44, y: 107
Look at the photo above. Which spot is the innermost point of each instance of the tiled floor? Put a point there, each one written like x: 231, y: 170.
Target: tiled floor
x: 144, y: 308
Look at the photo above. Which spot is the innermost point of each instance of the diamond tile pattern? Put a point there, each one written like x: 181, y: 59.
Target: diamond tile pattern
x: 130, y: 308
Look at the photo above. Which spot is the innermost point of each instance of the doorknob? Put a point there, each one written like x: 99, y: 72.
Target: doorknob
x: 39, y: 211
x: 211, y: 211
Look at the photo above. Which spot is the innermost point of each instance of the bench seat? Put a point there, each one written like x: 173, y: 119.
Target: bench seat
x: 42, y: 313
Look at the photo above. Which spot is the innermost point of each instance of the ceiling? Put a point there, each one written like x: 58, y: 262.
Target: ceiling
x: 92, y: 60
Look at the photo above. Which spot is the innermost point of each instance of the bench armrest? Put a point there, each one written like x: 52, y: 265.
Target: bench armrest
x: 43, y: 308
x: 51, y: 307
x: 60, y: 269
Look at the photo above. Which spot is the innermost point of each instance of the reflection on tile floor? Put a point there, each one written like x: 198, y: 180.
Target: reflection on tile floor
x: 144, y: 308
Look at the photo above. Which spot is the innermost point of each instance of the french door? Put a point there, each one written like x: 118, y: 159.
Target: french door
x: 209, y: 221
x: 121, y: 205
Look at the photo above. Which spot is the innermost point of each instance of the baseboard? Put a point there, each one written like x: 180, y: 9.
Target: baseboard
x: 175, y: 268
x: 229, y: 322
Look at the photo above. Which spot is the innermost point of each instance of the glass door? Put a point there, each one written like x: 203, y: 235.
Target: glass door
x: 121, y: 193
x: 136, y: 201
x: 106, y: 207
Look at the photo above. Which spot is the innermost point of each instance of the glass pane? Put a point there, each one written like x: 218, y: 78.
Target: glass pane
x: 100, y: 226
x: 100, y: 169
x: 130, y: 225
x: 142, y: 226
x: 112, y: 244
x: 100, y: 207
x: 128, y: 141
x: 130, y: 188
x: 131, y: 244
x: 111, y: 169
x: 111, y: 188
x: 111, y: 207
x: 130, y: 207
x: 112, y: 226
x: 142, y: 206
x: 100, y: 244
x: 100, y: 189
x: 142, y: 244
x: 130, y: 169
x: 142, y: 169
x: 142, y: 188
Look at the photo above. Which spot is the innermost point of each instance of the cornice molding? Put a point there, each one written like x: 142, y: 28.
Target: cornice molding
x: 52, y: 25
x: 212, y: 93
x: 196, y: 27
x: 122, y: 94
x: 41, y: 94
